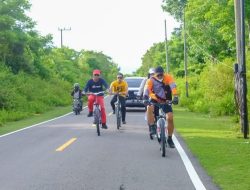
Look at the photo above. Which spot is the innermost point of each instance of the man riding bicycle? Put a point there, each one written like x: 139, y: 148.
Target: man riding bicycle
x: 160, y: 89
x: 95, y: 85
x: 119, y: 87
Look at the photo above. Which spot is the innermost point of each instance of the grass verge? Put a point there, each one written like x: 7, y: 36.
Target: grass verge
x: 223, y: 154
x: 13, y: 126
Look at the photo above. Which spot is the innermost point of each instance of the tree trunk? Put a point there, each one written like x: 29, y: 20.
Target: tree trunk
x: 248, y: 34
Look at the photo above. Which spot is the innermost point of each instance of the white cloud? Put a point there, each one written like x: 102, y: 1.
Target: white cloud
x: 124, y: 30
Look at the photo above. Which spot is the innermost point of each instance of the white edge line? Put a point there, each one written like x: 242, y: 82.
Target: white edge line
x: 35, y: 125
x: 189, y: 167
x: 39, y: 123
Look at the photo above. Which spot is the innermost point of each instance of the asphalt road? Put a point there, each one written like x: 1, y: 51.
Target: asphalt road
x: 117, y: 160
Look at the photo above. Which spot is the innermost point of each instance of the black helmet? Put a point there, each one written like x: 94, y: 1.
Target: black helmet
x: 159, y: 69
x: 76, y: 86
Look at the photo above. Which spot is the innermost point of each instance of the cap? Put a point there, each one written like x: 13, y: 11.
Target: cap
x: 96, y: 72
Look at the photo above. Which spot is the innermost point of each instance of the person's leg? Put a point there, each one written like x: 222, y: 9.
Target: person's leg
x: 151, y: 119
x: 123, y: 108
x: 170, y: 126
x: 170, y: 123
x: 112, y: 102
x: 100, y: 101
x: 91, y: 99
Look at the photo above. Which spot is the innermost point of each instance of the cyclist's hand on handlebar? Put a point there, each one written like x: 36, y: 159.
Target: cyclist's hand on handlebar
x: 175, y: 100
x: 146, y: 102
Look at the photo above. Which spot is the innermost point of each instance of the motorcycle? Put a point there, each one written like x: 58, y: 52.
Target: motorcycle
x: 77, y: 108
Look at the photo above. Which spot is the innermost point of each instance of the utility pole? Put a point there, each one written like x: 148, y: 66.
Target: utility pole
x: 185, y: 51
x: 61, y: 30
x: 166, y: 46
x: 240, y: 79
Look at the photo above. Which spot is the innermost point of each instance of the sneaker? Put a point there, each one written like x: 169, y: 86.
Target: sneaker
x: 152, y: 129
x: 114, y: 112
x: 90, y: 114
x: 104, y: 126
x: 123, y: 122
x: 170, y: 142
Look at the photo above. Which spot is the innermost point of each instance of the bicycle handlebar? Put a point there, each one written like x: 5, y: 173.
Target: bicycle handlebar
x: 168, y: 102
x: 94, y: 93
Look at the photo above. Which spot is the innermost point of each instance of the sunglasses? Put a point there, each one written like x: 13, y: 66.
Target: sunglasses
x: 96, y: 75
x: 119, y: 77
x: 159, y: 75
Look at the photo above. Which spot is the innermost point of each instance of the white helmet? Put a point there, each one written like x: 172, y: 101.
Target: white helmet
x: 151, y: 71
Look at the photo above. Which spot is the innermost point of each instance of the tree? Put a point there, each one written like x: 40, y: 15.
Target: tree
x: 175, y: 8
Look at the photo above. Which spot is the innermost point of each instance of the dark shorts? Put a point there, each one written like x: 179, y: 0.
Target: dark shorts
x: 166, y: 108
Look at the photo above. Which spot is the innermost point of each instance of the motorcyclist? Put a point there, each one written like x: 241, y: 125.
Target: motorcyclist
x: 77, y: 93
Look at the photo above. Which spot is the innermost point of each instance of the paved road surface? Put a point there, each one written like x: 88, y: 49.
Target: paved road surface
x: 117, y: 160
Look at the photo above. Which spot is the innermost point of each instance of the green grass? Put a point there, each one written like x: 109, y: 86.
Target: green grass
x: 13, y: 126
x: 221, y: 151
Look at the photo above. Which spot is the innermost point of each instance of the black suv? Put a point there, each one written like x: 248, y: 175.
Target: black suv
x: 133, y: 100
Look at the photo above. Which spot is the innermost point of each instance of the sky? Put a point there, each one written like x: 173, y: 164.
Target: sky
x: 121, y: 29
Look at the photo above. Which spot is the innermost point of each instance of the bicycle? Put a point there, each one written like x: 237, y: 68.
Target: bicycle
x: 97, y: 112
x: 118, y: 112
x: 161, y: 126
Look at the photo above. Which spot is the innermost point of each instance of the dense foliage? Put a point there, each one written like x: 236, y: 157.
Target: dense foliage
x: 210, y: 33
x: 34, y: 75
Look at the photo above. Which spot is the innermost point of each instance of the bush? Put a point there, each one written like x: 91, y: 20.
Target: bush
x: 212, y: 91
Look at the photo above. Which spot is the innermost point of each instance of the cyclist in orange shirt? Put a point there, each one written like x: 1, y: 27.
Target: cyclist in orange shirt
x: 160, y: 88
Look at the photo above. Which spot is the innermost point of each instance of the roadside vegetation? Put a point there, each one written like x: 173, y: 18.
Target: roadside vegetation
x: 36, y: 76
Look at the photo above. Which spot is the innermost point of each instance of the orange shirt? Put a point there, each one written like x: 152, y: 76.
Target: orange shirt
x: 167, y: 80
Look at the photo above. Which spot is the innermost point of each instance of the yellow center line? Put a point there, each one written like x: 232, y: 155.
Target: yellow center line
x: 61, y: 148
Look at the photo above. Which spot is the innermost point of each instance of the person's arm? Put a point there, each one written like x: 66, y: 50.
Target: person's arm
x: 111, y: 88
x: 168, y: 79
x: 105, y: 84
x: 126, y: 88
x: 141, y: 89
x: 86, y: 88
x: 150, y: 85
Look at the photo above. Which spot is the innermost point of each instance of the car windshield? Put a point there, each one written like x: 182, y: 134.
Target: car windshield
x: 134, y: 83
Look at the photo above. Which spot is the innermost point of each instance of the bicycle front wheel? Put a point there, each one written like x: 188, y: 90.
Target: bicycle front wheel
x: 97, y: 116
x: 118, y: 118
x: 162, y: 137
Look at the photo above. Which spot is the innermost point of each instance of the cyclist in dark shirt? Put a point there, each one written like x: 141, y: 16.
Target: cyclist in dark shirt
x: 95, y: 85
